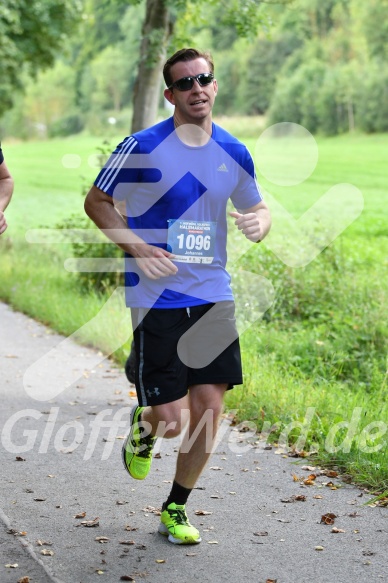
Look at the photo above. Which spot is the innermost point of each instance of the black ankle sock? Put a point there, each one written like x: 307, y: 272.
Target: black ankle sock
x: 179, y: 494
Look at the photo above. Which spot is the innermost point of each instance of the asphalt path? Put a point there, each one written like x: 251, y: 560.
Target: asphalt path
x: 61, y: 472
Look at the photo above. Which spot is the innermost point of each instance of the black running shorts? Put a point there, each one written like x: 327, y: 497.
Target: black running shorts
x: 180, y: 347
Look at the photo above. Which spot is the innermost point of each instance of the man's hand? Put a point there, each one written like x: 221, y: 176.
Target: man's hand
x: 250, y: 225
x: 254, y: 222
x: 3, y: 223
x: 153, y: 261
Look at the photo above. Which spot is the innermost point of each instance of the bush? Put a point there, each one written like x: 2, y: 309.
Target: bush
x: 100, y: 282
x: 66, y: 126
x: 372, y: 100
x: 334, y: 312
x: 295, y: 98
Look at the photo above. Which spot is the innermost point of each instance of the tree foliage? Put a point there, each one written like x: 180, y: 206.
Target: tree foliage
x: 321, y: 64
x: 31, y: 32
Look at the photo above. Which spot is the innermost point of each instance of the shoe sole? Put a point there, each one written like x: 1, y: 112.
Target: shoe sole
x: 177, y: 541
x: 127, y: 439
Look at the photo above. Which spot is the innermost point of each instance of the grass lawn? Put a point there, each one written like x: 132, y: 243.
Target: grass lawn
x: 319, y: 350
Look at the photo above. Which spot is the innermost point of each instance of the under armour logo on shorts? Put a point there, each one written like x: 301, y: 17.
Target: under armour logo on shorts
x: 154, y: 391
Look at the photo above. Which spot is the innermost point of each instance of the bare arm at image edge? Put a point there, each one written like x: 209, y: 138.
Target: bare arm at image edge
x: 6, y: 190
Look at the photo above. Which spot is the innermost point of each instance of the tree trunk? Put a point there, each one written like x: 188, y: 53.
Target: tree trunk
x: 350, y: 114
x: 157, y: 29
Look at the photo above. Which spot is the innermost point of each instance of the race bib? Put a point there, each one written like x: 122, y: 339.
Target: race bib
x: 192, y: 241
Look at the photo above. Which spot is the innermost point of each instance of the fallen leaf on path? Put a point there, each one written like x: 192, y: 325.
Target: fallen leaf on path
x: 308, y: 468
x: 127, y: 542
x: 121, y: 502
x: 297, y: 453
x: 329, y: 473
x: 42, y: 543
x: 20, y: 458
x: 295, y: 478
x: 80, y: 515
x: 158, y: 456
x: 202, y: 512
x: 309, y: 481
x: 191, y: 554
x: 271, y: 581
x: 40, y: 499
x: 212, y: 542
x: 160, y: 560
x: 13, y: 566
x: 261, y: 533
x: 215, y: 468
x: 101, y: 539
x: 319, y: 548
x: 328, y: 518
x: 47, y: 552
x: 89, y: 523
x: 130, y: 528
x: 347, y: 478
x: 126, y: 578
x: 318, y: 497
x: 294, y: 498
x: 335, y: 529
x: 24, y: 580
x: 152, y: 510
x: 354, y: 514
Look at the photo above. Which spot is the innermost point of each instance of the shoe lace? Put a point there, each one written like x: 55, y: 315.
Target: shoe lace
x: 178, y: 516
x: 145, y: 446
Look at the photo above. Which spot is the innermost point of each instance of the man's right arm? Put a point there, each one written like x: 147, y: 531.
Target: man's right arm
x: 153, y: 261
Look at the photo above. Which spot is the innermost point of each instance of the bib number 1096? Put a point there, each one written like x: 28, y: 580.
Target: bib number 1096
x: 191, y: 241
x: 197, y: 242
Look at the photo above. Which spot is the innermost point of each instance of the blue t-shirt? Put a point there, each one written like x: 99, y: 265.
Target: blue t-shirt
x: 175, y: 197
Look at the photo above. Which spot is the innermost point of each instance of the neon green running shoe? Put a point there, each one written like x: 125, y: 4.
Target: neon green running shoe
x: 175, y: 524
x: 136, y: 452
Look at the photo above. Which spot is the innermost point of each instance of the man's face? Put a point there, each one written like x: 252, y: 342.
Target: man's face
x: 196, y: 104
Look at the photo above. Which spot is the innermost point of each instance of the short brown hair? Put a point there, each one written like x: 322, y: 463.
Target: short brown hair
x: 185, y: 55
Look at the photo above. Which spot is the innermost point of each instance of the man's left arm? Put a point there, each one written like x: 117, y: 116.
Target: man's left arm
x: 6, y: 189
x: 254, y: 222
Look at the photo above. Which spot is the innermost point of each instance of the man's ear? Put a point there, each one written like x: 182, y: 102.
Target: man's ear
x: 215, y: 86
x: 169, y: 95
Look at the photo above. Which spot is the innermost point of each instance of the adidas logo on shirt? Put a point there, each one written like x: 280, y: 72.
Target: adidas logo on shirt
x: 222, y: 168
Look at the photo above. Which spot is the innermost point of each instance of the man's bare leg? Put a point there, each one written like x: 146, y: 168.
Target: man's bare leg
x: 206, y: 402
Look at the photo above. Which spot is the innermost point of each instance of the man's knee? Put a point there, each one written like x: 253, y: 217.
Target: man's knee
x: 207, y: 403
x: 171, y: 420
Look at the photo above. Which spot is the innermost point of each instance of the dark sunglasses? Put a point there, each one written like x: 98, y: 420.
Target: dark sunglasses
x: 186, y: 83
